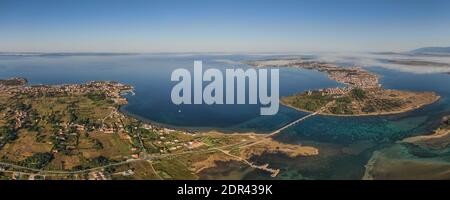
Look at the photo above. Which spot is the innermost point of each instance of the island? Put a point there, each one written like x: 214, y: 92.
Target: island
x: 362, y: 94
x: 76, y: 131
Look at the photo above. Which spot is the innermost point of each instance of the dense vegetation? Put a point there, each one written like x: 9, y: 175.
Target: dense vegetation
x: 312, y: 102
x: 342, y: 106
x: 94, y: 162
x: 357, y: 101
x: 37, y: 160
x: 358, y: 93
x: 96, y: 96
x: 7, y: 135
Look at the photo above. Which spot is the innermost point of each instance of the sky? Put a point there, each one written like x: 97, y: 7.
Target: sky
x: 222, y: 25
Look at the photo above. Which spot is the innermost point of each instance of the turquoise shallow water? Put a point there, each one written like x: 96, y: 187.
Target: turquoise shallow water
x: 346, y: 143
x: 381, y: 129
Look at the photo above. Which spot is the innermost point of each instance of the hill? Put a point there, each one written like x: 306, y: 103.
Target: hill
x: 431, y: 50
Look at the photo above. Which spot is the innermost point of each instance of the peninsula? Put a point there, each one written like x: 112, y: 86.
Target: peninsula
x: 362, y: 94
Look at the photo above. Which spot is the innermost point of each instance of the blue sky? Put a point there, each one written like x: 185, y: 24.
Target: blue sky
x: 222, y: 26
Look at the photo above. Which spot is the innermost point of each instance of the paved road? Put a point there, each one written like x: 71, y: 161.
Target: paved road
x: 148, y: 157
x: 64, y: 172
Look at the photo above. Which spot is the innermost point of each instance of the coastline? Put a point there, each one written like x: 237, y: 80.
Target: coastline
x: 440, y: 138
x: 354, y: 78
x: 388, y: 163
x: 207, y: 146
x: 368, y: 114
x: 262, y: 143
x: 124, y: 111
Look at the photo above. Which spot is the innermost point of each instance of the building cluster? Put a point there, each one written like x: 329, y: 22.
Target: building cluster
x: 111, y: 89
x: 3, y: 88
x: 19, y: 117
x: 355, y: 77
x: 166, y: 139
x: 171, y: 144
x: 98, y: 175
x: 335, y: 92
x: 14, y: 82
x: 319, y: 66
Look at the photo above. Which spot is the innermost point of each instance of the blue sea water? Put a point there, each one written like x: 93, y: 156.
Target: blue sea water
x: 150, y: 75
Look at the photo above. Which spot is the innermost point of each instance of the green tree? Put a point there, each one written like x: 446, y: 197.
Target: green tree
x: 37, y: 160
x: 358, y: 93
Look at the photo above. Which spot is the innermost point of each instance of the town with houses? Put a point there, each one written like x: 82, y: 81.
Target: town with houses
x: 77, y: 131
x: 361, y: 93
x: 352, y: 77
x: 23, y: 111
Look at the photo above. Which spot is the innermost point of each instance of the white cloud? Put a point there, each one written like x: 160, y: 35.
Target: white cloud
x: 370, y: 60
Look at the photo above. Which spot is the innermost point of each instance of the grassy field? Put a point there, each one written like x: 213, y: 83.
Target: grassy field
x: 44, y: 124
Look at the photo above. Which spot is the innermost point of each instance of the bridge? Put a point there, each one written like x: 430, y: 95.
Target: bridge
x: 278, y: 131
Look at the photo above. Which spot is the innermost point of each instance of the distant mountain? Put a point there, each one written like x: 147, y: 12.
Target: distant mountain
x: 432, y: 50
x: 64, y: 54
